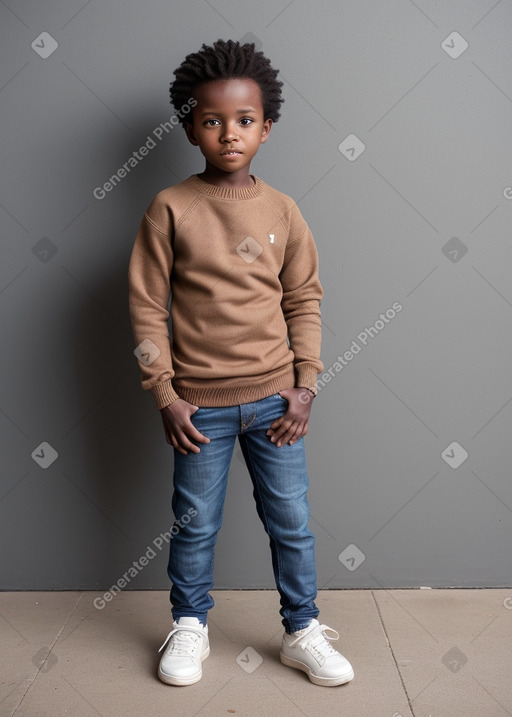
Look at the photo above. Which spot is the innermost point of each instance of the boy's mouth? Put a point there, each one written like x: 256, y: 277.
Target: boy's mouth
x: 230, y: 152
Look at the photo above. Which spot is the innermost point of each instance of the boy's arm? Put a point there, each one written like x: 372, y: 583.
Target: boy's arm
x: 149, y: 291
x: 300, y: 303
x: 302, y: 293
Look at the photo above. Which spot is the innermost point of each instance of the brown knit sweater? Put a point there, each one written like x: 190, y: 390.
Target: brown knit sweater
x: 241, y: 269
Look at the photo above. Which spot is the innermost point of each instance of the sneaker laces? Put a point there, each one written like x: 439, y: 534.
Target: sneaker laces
x: 185, y: 640
x: 316, y: 642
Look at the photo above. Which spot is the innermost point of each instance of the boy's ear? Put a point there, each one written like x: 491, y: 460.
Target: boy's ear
x: 189, y: 129
x: 267, y: 126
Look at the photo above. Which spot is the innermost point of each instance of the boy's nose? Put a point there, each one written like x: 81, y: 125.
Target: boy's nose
x: 229, y: 133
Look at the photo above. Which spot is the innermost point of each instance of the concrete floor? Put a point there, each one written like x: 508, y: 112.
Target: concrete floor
x: 421, y: 653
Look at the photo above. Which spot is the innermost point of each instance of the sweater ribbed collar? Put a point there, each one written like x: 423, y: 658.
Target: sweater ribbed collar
x: 195, y: 182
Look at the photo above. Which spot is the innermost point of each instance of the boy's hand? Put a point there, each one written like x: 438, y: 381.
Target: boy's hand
x: 295, y: 422
x: 179, y: 429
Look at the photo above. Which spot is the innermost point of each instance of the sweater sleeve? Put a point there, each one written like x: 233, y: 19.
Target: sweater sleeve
x: 149, y: 292
x: 302, y: 294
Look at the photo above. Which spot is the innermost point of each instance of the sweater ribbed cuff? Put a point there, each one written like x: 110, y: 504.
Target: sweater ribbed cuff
x: 306, y: 378
x: 164, y: 394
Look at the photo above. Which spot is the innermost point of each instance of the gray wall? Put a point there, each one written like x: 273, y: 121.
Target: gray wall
x: 421, y: 217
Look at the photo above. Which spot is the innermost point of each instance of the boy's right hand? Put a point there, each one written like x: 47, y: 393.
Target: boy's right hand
x: 179, y: 429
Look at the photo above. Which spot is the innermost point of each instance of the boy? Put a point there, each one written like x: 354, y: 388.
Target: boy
x: 241, y: 266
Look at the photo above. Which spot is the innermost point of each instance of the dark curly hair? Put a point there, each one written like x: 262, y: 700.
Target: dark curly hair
x: 226, y: 60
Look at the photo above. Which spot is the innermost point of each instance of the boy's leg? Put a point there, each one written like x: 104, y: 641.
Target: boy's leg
x: 200, y: 481
x: 280, y: 481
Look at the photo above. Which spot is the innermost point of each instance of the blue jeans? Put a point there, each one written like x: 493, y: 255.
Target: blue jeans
x: 280, y: 481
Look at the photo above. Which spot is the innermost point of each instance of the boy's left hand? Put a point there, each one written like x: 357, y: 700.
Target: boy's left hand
x: 295, y: 422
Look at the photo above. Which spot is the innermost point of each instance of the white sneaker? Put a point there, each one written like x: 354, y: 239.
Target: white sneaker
x: 309, y: 651
x: 188, y: 647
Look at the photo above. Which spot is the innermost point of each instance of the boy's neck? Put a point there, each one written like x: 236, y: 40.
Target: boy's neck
x: 234, y: 180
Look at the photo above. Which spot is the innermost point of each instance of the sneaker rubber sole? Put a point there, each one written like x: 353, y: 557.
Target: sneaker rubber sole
x: 315, y: 679
x: 183, y: 681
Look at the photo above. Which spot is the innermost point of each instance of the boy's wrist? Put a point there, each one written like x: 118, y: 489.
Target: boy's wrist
x: 306, y: 394
x: 307, y: 388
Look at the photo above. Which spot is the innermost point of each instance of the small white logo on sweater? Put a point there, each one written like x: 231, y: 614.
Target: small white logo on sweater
x: 249, y: 249
x: 272, y: 238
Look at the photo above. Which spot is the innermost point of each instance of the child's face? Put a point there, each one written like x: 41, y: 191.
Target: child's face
x: 228, y: 124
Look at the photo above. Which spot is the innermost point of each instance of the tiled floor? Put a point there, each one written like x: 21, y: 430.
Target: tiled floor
x: 427, y: 653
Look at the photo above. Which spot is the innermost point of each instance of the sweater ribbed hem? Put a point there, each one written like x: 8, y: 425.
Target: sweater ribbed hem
x: 200, y: 185
x: 215, y: 396
x: 164, y: 394
x: 307, y: 376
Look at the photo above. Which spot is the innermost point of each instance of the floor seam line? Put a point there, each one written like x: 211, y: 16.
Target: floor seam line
x: 392, y: 652
x: 32, y: 682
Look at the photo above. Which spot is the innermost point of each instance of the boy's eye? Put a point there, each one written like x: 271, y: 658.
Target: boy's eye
x: 211, y: 120
x: 246, y: 121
